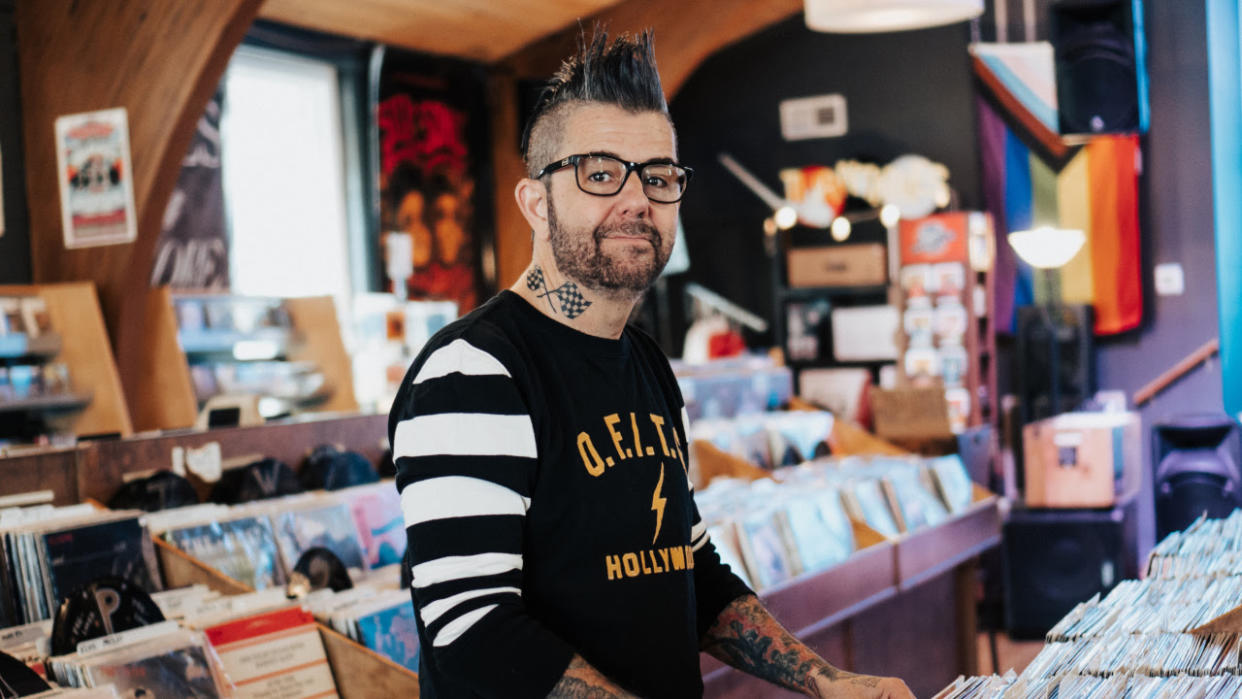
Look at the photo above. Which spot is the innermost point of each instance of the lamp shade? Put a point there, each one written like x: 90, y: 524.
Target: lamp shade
x: 866, y: 16
x: 1047, y: 248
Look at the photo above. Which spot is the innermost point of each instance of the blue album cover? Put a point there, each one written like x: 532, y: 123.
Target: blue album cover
x: 392, y: 633
x: 330, y: 526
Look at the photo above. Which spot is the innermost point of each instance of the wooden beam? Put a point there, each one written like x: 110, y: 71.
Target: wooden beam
x: 161, y: 61
x: 686, y: 33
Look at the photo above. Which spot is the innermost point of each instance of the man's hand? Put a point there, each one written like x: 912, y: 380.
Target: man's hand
x: 847, y: 684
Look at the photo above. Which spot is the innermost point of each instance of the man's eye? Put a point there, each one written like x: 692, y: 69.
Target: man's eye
x: 600, y: 176
x: 657, y: 181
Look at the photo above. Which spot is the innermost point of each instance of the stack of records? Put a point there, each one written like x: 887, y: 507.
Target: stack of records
x: 771, y: 531
x: 377, y: 613
x: 259, y: 543
x: 1172, y: 634
x: 48, y: 554
x: 162, y: 660
x: 30, y: 644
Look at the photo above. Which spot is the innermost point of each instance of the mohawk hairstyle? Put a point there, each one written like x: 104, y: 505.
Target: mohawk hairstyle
x: 622, y: 74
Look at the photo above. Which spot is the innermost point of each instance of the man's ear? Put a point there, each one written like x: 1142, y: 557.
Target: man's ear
x: 532, y: 201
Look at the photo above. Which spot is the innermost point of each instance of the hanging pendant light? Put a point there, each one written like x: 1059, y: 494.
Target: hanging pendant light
x: 867, y: 16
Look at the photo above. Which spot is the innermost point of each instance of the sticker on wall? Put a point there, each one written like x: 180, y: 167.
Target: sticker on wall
x: 96, y: 179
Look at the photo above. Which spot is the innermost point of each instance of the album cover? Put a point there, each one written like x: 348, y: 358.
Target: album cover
x: 763, y: 548
x: 381, y: 524
x: 96, y: 179
x: 815, y: 540
x: 274, y: 654
x: 84, y: 552
x: 330, y: 525
x: 915, y: 506
x: 866, y: 496
x: 392, y: 632
x: 180, y: 673
x: 244, y: 549
x: 952, y: 482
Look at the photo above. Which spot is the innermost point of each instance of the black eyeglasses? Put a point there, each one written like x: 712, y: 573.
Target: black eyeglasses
x: 663, y: 181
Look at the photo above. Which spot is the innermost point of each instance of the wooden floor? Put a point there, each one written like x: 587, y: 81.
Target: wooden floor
x: 1010, y: 654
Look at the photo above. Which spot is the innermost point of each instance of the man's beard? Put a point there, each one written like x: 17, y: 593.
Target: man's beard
x: 625, y: 273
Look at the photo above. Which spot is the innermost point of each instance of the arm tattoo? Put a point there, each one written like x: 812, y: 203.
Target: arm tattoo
x: 747, y: 637
x: 572, y: 302
x: 581, y: 681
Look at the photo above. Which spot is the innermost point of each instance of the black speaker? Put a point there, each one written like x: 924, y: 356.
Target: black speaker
x: 1055, y: 559
x: 1100, y: 65
x: 1055, y: 362
x: 1196, y: 459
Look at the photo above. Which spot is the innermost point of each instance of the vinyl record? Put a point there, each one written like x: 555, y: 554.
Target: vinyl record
x: 323, y: 569
x: 100, y: 608
x: 263, y: 479
x: 160, y: 491
x: 17, y: 680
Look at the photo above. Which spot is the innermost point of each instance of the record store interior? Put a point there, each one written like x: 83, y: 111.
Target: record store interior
x: 954, y: 308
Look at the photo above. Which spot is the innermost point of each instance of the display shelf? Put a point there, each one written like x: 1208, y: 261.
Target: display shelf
x: 810, y: 293
x: 360, y: 672
x: 22, y: 346
x: 279, y: 342
x: 927, y: 553
x: 163, y: 395
x: 46, y: 404
x: 81, y: 344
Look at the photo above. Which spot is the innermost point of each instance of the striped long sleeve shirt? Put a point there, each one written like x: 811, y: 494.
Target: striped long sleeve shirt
x: 543, y: 480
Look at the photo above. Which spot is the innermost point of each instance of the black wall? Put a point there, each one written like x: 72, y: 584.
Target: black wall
x: 908, y: 92
x: 15, y: 243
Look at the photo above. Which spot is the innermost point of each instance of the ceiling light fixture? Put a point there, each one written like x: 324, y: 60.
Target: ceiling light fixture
x: 868, y: 16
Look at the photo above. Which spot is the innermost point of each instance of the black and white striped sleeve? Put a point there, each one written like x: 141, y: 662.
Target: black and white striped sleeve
x: 465, y: 451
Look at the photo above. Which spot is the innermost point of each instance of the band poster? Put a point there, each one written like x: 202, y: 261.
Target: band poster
x: 193, y: 248
x: 435, y: 175
x: 96, y: 179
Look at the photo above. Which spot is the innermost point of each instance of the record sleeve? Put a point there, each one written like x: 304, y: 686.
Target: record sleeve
x: 244, y: 549
x: 381, y: 524
x: 872, y: 507
x: 952, y: 482
x: 763, y: 548
x: 816, y: 542
x: 330, y: 526
x: 157, y: 672
x: 81, y: 553
x: 392, y: 632
x: 274, y: 654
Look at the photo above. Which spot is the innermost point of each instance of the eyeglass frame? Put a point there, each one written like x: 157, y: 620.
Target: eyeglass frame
x: 630, y: 166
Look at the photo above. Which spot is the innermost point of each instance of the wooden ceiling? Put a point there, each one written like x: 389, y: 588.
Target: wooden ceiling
x: 478, y: 30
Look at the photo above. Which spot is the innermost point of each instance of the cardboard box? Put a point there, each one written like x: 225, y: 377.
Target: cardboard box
x: 856, y: 264
x: 911, y: 414
x: 1082, y: 459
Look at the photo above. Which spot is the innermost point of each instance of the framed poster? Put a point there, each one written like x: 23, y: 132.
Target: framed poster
x: 435, y: 173
x: 96, y: 179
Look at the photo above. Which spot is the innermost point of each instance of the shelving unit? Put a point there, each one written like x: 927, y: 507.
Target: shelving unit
x: 835, y: 296
x: 164, y: 397
x: 96, y: 403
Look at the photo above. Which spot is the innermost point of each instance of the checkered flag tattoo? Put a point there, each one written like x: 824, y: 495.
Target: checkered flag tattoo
x: 573, y: 303
x: 534, y: 279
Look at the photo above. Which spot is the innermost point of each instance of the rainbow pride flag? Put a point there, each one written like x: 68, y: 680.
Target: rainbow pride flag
x: 1094, y: 189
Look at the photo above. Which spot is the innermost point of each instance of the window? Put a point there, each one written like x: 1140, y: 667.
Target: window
x: 284, y: 176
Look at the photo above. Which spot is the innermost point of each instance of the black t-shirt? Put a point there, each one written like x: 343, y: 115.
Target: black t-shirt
x: 543, y: 478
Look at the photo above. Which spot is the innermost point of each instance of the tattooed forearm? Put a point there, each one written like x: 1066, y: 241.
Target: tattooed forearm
x: 581, y: 681
x: 567, y: 297
x: 748, y: 638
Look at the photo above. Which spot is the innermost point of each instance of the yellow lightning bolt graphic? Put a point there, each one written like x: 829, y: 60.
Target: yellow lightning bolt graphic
x: 657, y: 504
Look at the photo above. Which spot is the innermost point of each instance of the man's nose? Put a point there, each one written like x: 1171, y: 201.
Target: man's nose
x: 631, y: 199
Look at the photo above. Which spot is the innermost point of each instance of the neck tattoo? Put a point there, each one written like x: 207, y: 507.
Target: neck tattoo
x: 571, y: 301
